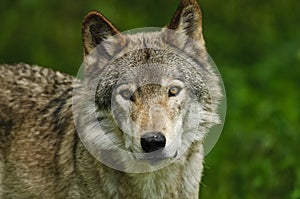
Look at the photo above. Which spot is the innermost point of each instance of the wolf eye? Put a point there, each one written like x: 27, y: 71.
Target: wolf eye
x: 174, y: 90
x: 126, y: 94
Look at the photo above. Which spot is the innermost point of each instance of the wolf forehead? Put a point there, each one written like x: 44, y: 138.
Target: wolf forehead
x: 130, y: 50
x: 150, y: 66
x: 144, y: 60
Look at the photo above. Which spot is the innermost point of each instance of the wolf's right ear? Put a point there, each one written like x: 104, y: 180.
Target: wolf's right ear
x: 95, y: 29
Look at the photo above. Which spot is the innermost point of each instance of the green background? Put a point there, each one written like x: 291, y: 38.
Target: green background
x: 256, y: 45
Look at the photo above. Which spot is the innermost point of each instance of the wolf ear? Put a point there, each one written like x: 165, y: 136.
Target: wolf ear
x: 95, y: 29
x: 188, y: 20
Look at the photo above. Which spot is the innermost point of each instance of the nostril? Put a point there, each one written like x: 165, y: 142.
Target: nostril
x: 153, y: 141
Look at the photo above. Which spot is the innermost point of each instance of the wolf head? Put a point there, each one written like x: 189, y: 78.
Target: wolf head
x: 150, y: 93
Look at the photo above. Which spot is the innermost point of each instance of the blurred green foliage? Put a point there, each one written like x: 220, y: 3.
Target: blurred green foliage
x: 256, y: 45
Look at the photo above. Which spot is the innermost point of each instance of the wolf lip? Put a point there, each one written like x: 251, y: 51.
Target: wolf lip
x: 157, y: 157
x: 175, y: 155
x: 154, y: 160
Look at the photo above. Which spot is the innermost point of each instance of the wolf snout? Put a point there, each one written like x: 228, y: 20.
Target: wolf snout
x: 153, y: 141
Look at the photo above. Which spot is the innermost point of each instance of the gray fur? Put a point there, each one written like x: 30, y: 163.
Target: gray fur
x: 41, y: 155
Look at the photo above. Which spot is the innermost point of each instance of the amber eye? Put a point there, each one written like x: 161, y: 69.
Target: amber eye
x: 174, y: 90
x: 126, y: 94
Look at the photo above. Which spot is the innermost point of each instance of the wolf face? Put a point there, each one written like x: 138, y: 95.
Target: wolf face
x: 149, y: 95
x: 151, y: 114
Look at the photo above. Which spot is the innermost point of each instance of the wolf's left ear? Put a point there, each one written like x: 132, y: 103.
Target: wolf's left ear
x: 95, y: 29
x: 188, y: 20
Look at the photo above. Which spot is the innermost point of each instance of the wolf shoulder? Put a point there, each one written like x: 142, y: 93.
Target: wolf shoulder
x: 30, y: 87
x: 34, y: 95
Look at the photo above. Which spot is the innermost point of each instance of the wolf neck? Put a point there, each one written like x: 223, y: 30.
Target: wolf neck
x: 165, y: 183
x: 178, y: 180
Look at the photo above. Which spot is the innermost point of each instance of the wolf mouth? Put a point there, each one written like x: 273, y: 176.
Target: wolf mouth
x: 157, y: 157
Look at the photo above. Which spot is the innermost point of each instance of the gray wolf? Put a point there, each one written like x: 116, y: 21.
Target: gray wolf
x: 133, y: 127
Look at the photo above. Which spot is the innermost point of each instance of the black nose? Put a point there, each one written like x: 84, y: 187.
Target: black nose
x: 153, y: 141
